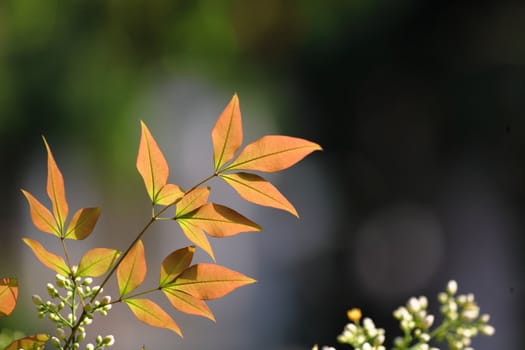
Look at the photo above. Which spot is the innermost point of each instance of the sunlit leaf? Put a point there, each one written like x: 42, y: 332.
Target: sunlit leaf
x: 41, y: 216
x: 151, y: 314
x: 82, y: 223
x: 50, y: 260
x: 151, y: 164
x: 169, y: 194
x: 220, y: 221
x: 97, y: 262
x: 256, y: 189
x: 188, y: 304
x: 196, y: 235
x: 209, y: 281
x: 173, y: 265
x: 55, y: 189
x: 132, y: 270
x: 192, y: 200
x: 8, y: 295
x: 273, y: 153
x: 31, y: 342
x: 226, y: 135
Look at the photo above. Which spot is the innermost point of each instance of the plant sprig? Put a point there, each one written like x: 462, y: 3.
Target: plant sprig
x: 74, y: 301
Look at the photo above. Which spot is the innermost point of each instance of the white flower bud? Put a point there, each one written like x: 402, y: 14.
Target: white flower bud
x: 90, y: 347
x: 106, y: 300
x: 413, y: 305
x: 36, y: 299
x: 109, y: 340
x: 87, y: 281
x: 487, y: 329
x: 452, y: 287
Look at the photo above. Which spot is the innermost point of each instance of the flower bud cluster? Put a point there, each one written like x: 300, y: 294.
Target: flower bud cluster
x: 414, y: 321
x: 363, y: 336
x: 68, y: 295
x: 462, y: 318
x: 461, y: 321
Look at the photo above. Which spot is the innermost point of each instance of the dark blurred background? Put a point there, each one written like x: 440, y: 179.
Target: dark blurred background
x: 419, y: 105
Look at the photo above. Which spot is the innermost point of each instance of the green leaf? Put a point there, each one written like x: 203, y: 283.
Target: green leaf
x: 132, y: 270
x: 151, y: 314
x: 209, y: 281
x: 8, y: 295
x: 82, y: 223
x: 187, y: 303
x: 256, y: 189
x: 219, y: 221
x: 97, y: 262
x: 173, y: 265
x: 50, y: 260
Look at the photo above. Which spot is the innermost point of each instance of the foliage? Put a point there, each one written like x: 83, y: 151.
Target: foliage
x: 74, y: 300
x: 461, y: 320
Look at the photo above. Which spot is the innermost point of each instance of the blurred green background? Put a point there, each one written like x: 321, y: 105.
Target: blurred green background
x: 419, y: 105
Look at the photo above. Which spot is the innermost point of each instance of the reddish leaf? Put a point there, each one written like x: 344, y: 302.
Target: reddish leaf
x: 196, y: 235
x: 209, y: 281
x: 226, y: 135
x: 56, y: 190
x: 151, y: 164
x: 169, y: 194
x: 173, y: 265
x: 31, y: 342
x: 82, y: 223
x: 41, y: 216
x: 151, y: 314
x: 187, y: 303
x: 273, y: 153
x: 192, y: 200
x: 8, y: 295
x: 97, y: 262
x: 220, y: 221
x: 50, y: 260
x: 256, y: 189
x: 132, y: 270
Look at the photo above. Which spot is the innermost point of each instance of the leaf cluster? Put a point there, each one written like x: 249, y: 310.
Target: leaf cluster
x: 185, y: 285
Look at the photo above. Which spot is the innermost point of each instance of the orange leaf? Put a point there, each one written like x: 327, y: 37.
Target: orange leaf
x: 8, y: 295
x: 41, y: 216
x: 187, y: 303
x: 82, y: 223
x: 173, y: 265
x: 196, y: 235
x: 226, y: 135
x: 273, y: 153
x: 169, y: 194
x: 220, y: 221
x: 151, y: 314
x: 192, y: 200
x: 55, y: 189
x: 50, y: 260
x: 151, y: 164
x: 209, y: 281
x: 256, y: 189
x: 31, y: 342
x: 97, y: 262
x: 132, y: 270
